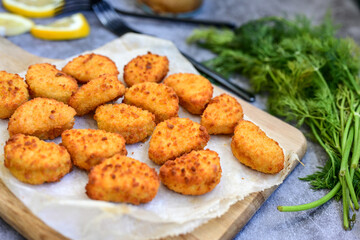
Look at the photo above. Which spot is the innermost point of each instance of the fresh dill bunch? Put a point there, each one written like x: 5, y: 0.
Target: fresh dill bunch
x: 311, y: 77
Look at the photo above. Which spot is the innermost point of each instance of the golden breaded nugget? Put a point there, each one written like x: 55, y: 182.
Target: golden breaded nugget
x: 174, y: 137
x: 46, y: 81
x: 194, y: 91
x: 221, y: 115
x: 88, y: 147
x: 34, y: 161
x: 13, y: 93
x: 252, y: 147
x: 87, y: 67
x: 146, y: 68
x: 96, y: 92
x: 122, y: 179
x: 44, y: 118
x: 159, y: 99
x: 133, y: 123
x: 195, y: 173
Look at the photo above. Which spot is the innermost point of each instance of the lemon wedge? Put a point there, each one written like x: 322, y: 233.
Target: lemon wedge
x: 33, y: 8
x: 66, y: 28
x: 12, y: 24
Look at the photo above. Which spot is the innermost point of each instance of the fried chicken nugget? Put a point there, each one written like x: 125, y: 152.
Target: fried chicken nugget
x: 34, y: 161
x: 89, y: 66
x: 195, y: 173
x: 88, y: 147
x: 146, y: 68
x: 44, y: 118
x: 96, y: 92
x: 159, y: 99
x: 253, y: 148
x: 13, y: 93
x: 123, y: 179
x: 46, y: 81
x: 194, y: 91
x: 133, y: 123
x: 222, y: 114
x: 175, y: 137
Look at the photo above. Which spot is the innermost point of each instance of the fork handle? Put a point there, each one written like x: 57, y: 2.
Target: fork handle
x: 220, y: 79
x: 180, y: 20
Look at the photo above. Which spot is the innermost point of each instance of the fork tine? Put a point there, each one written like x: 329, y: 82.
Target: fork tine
x: 110, y: 18
x: 99, y: 11
x: 110, y: 14
x: 73, y: 6
x: 114, y: 18
x: 104, y: 17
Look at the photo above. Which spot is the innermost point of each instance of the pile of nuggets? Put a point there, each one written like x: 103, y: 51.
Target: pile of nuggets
x: 89, y: 83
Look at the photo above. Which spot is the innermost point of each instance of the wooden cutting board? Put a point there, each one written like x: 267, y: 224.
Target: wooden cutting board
x: 12, y: 210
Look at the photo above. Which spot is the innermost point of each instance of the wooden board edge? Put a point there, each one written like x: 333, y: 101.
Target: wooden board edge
x: 16, y: 214
x: 14, y: 52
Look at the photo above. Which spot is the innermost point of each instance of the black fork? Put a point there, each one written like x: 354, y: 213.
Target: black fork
x: 70, y: 6
x: 110, y: 19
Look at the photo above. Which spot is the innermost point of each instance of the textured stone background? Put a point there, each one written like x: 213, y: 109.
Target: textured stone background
x: 324, y: 222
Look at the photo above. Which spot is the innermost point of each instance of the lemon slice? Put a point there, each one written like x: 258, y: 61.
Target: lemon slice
x: 33, y: 8
x: 11, y: 24
x: 67, y: 28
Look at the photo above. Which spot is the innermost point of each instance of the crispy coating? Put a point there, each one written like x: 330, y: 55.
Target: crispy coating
x: 34, y: 161
x: 221, y: 115
x: 194, y: 91
x: 146, y: 68
x: 46, y: 81
x: 159, y: 99
x: 13, y: 93
x: 44, y: 118
x: 88, y: 147
x: 89, y: 66
x: 175, y: 137
x: 122, y: 179
x: 133, y: 123
x: 96, y: 92
x: 195, y: 173
x: 253, y: 148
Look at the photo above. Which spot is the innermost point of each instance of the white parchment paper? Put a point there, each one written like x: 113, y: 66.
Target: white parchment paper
x: 65, y: 207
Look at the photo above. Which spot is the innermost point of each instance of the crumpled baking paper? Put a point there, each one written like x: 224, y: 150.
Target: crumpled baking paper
x: 65, y: 207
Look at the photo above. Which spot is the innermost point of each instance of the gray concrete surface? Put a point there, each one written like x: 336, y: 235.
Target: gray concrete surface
x: 324, y: 222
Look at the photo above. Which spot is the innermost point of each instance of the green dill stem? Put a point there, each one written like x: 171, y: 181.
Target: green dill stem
x: 341, y: 113
x: 356, y: 149
x: 311, y: 205
x: 270, y: 72
x: 325, y: 135
x: 345, y: 199
x: 351, y: 189
x: 337, y: 141
x: 320, y: 141
x: 351, y: 207
x: 352, y: 80
x: 346, y: 153
x: 344, y: 140
x: 325, y: 85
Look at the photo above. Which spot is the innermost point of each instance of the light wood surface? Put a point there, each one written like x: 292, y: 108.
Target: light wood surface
x: 14, y: 59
